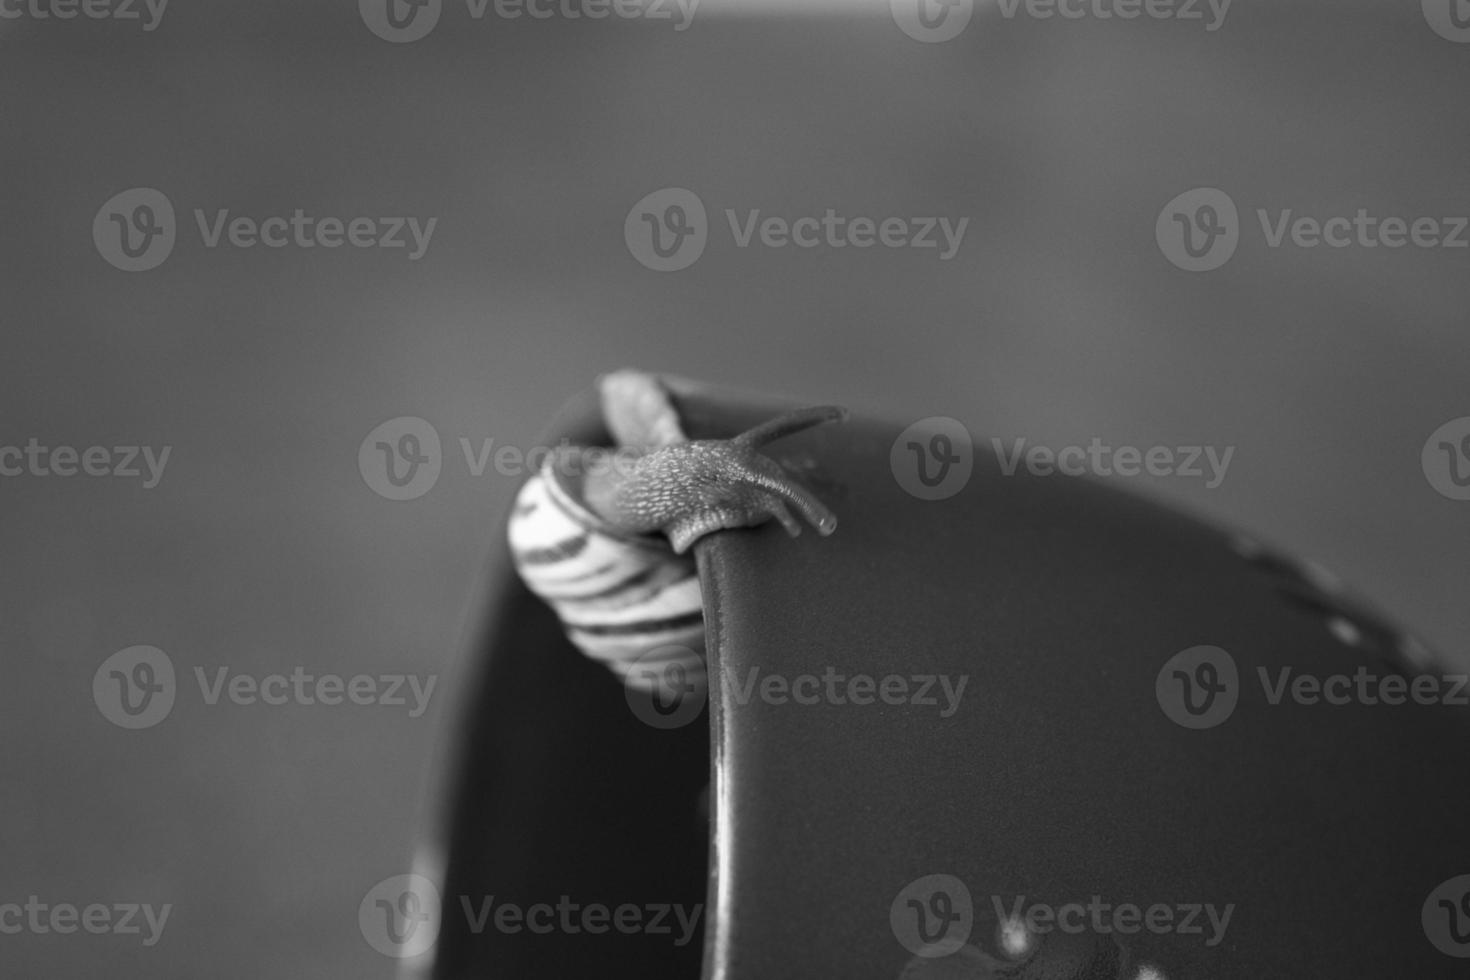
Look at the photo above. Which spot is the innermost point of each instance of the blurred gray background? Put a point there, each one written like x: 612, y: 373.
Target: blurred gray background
x: 263, y: 549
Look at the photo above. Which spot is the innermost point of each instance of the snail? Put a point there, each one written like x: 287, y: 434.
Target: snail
x: 604, y: 536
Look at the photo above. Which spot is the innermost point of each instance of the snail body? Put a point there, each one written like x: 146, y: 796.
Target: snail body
x: 604, y: 538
